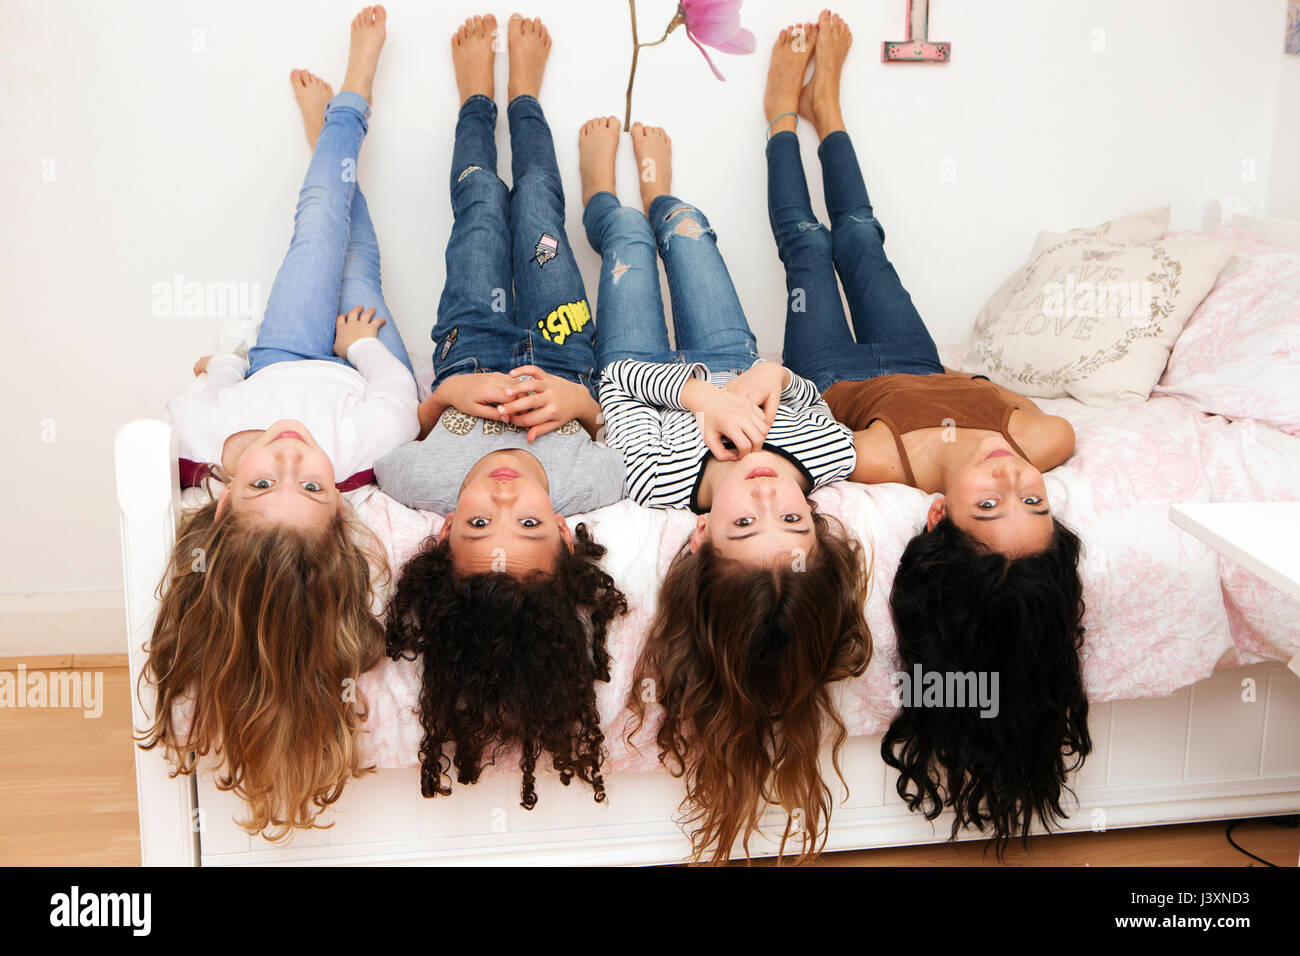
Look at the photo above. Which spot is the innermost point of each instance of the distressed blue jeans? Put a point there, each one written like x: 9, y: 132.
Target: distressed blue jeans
x: 332, y: 264
x: 708, y: 322
x: 888, y: 334
x: 513, y: 295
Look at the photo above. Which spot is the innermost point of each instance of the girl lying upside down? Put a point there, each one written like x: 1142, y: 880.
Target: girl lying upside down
x: 266, y: 611
x: 762, y: 607
x: 991, y: 583
x: 506, y: 453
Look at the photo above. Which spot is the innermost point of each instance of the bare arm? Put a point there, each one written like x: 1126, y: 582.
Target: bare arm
x: 1048, y: 440
x: 877, y: 463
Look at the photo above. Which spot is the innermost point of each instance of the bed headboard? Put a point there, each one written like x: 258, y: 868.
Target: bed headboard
x: 1239, y: 212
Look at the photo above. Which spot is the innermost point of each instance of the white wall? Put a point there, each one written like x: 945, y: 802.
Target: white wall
x: 1284, y: 184
x: 169, y: 159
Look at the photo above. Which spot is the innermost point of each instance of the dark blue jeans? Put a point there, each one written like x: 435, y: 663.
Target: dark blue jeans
x: 332, y: 264
x: 708, y: 321
x: 888, y: 334
x: 514, y: 295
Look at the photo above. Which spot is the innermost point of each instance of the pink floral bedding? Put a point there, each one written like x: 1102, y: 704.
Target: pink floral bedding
x: 1239, y: 354
x: 1163, y: 609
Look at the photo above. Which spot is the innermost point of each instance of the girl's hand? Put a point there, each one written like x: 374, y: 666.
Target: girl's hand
x: 723, y: 414
x: 354, y: 326
x: 476, y: 393
x: 762, y: 385
x: 549, y: 401
x: 201, y: 365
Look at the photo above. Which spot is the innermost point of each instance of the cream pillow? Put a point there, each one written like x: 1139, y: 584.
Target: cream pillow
x: 1093, y: 318
x: 1137, y: 227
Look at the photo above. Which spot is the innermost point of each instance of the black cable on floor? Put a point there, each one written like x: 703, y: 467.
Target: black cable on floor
x: 1236, y: 823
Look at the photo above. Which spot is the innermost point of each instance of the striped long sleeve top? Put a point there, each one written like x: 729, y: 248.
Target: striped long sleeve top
x: 663, y: 447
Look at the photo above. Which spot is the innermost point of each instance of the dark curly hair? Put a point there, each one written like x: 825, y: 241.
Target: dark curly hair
x: 507, y: 660
x: 961, y: 607
x: 739, y: 658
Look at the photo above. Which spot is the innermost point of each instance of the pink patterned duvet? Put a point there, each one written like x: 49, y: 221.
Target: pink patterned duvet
x: 1163, y: 609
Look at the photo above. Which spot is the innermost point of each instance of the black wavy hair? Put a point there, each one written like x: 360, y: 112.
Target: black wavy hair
x: 959, y: 606
x: 507, y: 661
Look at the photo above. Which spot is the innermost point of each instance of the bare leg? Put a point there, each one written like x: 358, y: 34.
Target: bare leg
x: 530, y: 45
x: 312, y: 94
x: 785, y: 93
x: 597, y: 147
x: 654, y: 161
x: 369, y: 30
x: 833, y: 41
x: 472, y: 55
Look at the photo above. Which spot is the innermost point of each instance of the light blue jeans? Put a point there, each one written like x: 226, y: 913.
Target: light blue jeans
x: 332, y: 264
x: 709, y: 324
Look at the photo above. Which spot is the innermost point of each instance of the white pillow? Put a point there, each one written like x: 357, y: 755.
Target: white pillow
x: 1093, y: 318
x: 1239, y: 355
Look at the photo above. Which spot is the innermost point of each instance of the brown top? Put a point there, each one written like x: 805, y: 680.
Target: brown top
x: 908, y: 402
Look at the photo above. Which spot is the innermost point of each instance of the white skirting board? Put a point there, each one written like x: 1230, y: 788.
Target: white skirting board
x: 1205, y: 753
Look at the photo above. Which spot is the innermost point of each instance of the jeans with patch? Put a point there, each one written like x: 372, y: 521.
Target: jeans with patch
x: 513, y: 295
x: 332, y: 264
x: 708, y: 322
x: 888, y: 334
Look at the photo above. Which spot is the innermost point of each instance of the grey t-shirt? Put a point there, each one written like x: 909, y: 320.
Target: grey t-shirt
x: 582, y: 475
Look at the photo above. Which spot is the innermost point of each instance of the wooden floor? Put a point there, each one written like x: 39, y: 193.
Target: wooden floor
x: 67, y: 797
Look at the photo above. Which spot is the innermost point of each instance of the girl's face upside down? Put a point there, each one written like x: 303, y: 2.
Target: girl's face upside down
x: 504, y: 521
x: 759, y: 514
x: 997, y: 497
x: 284, y: 477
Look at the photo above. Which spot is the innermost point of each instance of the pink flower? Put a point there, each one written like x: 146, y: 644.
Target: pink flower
x: 717, y: 23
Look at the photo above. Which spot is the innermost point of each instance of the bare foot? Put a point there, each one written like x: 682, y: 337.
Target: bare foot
x: 368, y: 34
x: 805, y: 39
x: 654, y: 162
x: 809, y: 42
x: 806, y: 103
x: 472, y: 53
x: 790, y: 55
x: 529, y: 45
x: 313, y: 95
x: 597, y: 147
x: 833, y: 41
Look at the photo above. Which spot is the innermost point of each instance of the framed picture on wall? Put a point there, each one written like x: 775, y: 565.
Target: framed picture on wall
x: 1293, y: 26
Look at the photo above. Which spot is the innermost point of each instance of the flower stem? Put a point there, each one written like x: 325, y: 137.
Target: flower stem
x: 636, y: 50
x: 677, y: 20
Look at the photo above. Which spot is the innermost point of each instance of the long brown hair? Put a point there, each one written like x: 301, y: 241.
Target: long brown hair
x: 265, y: 629
x: 739, y: 658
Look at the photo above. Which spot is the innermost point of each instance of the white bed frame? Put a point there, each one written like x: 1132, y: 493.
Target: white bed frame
x: 1204, y: 753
